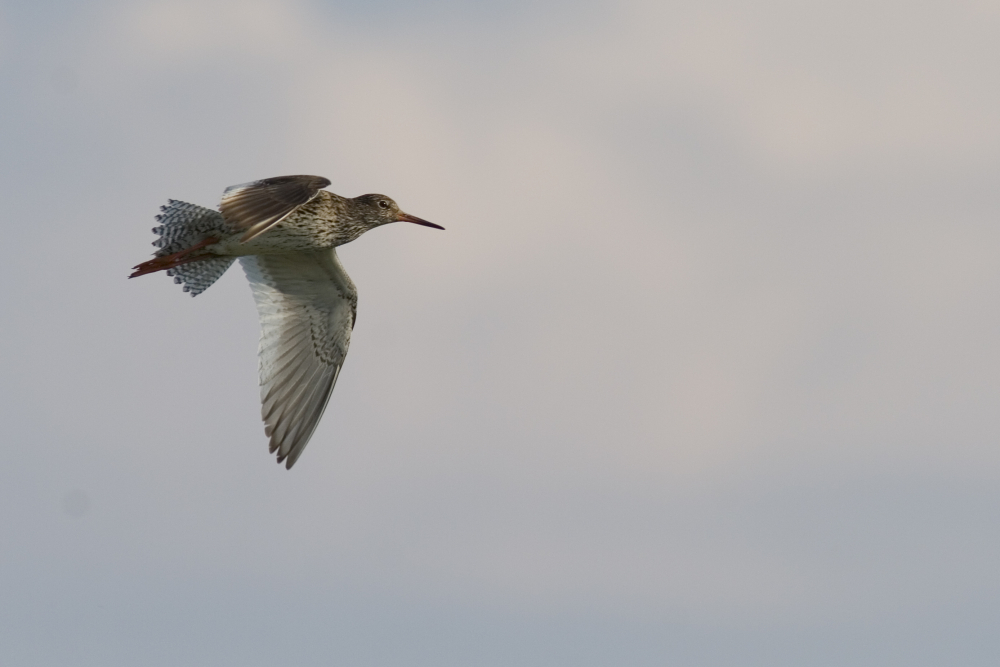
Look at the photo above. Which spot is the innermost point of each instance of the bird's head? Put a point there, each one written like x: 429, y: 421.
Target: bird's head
x: 379, y: 210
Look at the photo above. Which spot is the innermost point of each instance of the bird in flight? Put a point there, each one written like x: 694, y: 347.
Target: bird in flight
x: 284, y: 231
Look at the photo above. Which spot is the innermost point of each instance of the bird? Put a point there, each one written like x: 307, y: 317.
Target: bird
x: 284, y: 231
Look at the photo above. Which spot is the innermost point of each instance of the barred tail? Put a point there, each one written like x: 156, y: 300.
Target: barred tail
x: 198, y: 276
x: 185, y: 229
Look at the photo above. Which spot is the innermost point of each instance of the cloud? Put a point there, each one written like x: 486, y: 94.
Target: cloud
x: 179, y: 31
x: 708, y: 336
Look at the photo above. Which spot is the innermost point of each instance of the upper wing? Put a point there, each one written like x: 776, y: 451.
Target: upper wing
x: 307, y: 305
x: 258, y: 206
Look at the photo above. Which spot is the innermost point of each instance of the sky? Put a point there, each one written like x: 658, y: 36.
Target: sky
x: 703, y: 372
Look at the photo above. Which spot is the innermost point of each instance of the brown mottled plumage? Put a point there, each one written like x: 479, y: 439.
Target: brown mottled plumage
x: 284, y: 231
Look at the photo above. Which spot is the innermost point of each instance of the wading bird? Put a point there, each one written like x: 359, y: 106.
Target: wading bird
x: 284, y: 231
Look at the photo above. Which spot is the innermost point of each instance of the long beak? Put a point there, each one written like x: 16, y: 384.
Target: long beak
x: 406, y: 217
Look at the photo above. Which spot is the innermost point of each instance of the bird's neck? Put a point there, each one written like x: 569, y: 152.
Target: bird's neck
x: 351, y: 222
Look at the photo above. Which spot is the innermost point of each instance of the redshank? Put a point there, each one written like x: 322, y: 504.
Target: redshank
x: 284, y: 231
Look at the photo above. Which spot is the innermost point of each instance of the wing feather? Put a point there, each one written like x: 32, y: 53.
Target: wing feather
x: 255, y: 207
x: 288, y: 379
x: 295, y: 400
x: 307, y: 306
x: 304, y: 420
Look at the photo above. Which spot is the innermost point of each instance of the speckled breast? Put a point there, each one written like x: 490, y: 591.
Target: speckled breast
x: 313, y: 226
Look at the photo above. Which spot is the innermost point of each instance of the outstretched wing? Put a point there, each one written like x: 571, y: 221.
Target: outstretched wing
x: 256, y: 207
x: 307, y: 306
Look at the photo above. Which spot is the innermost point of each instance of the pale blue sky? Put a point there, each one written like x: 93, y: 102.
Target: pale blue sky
x: 703, y: 372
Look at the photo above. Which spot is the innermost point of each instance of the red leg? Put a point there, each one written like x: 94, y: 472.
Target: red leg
x: 170, y: 261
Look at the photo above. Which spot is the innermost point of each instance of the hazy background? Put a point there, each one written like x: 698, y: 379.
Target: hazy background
x: 704, y: 371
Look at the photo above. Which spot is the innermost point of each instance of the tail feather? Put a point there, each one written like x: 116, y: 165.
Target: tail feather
x: 200, y: 275
x: 184, y: 229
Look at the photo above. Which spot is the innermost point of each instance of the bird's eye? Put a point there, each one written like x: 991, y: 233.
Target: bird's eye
x: 383, y: 203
